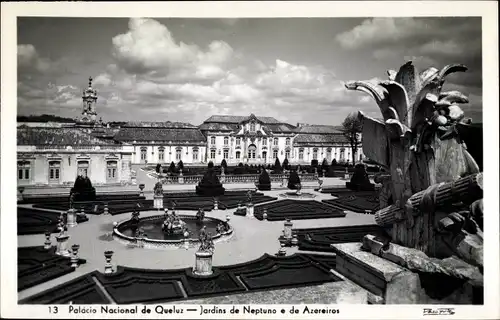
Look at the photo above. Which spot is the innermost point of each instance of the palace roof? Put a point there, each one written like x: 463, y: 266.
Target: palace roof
x: 150, y: 124
x: 319, y: 129
x: 309, y: 139
x: 57, y: 136
x: 181, y: 135
x: 239, y: 119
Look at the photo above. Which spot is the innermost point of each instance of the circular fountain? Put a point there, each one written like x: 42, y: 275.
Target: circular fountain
x: 170, y: 231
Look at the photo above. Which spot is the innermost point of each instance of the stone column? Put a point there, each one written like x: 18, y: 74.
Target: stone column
x: 287, y: 229
x: 62, y: 243
x: 71, y: 218
x: 203, y: 263
x: 181, y: 176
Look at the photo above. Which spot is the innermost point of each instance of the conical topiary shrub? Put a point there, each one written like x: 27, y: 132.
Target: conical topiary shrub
x: 277, y: 166
x: 293, y: 180
x: 180, y: 165
x: 210, y: 184
x: 286, y: 165
x: 223, y: 164
x: 171, y: 168
x: 264, y: 181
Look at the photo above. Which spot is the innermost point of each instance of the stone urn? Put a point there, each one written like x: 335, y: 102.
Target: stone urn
x: 228, y: 218
x: 71, y: 218
x: 20, y: 191
x: 141, y: 187
x: 48, y: 243
x: 74, y: 256
x: 108, y: 267
x: 294, y: 240
x: 62, y: 242
x: 264, y: 214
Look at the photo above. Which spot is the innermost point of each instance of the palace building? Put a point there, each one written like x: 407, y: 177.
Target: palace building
x: 54, y: 153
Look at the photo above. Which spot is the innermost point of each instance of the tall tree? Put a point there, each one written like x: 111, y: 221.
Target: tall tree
x: 351, y: 129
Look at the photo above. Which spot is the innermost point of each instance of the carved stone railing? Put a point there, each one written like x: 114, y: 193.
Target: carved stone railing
x: 239, y: 178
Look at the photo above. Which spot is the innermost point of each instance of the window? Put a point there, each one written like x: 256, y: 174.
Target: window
x: 275, y: 154
x: 178, y: 154
x: 83, y: 168
x: 238, y: 154
x: 238, y: 141
x: 54, y: 171
x: 161, y: 154
x: 301, y: 154
x: 226, y: 141
x: 251, y: 151
x: 342, y: 154
x: 226, y: 154
x: 264, y: 154
x: 287, y: 154
x: 275, y: 141
x: 143, y: 154
x: 195, y: 154
x: 212, y: 140
x: 287, y: 141
x: 23, y: 170
x: 329, y: 154
x: 264, y: 142
x: 112, y: 173
x: 315, y: 154
x: 252, y: 127
x: 212, y: 154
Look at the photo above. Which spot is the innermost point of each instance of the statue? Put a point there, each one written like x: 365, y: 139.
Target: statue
x: 200, y: 215
x: 206, y: 242
x: 210, y: 184
x: 158, y: 189
x: 432, y: 178
x: 71, y: 200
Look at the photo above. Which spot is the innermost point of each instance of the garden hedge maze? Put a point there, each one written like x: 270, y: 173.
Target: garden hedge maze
x: 319, y: 239
x: 36, y: 265
x: 297, y: 209
x: 32, y: 221
x: 132, y: 285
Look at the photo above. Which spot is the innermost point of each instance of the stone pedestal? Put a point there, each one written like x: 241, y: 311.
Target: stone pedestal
x: 71, y: 222
x: 62, y: 245
x: 181, y: 177
x: 390, y: 283
x: 284, y: 181
x: 203, y: 263
x: 158, y: 202
x: 250, y: 210
x: 48, y: 243
x: 287, y: 229
x: 74, y: 256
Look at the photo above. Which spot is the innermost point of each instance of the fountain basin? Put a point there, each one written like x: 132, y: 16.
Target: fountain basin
x: 156, y: 238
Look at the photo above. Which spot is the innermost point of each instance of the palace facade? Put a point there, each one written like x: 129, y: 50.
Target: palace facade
x: 53, y: 154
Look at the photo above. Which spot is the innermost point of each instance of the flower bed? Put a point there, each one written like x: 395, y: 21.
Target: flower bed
x: 134, y: 285
x: 35, y: 265
x: 297, y: 209
x: 32, y: 221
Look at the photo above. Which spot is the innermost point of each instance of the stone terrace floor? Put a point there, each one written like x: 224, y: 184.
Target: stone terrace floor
x: 250, y: 240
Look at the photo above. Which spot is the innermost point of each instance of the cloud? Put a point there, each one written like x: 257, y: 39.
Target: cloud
x: 36, y: 90
x: 149, y: 49
x: 427, y: 42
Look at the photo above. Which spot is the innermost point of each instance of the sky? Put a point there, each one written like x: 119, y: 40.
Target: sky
x: 187, y: 69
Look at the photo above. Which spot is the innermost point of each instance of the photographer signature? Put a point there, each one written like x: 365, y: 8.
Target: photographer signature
x: 438, y: 311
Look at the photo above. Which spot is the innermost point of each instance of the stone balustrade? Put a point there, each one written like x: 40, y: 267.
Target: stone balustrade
x: 240, y: 178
